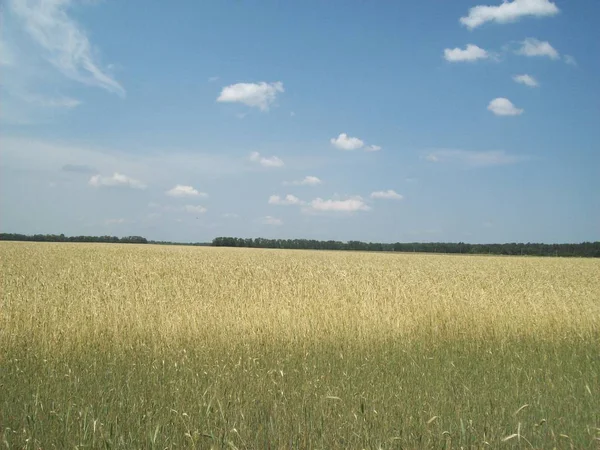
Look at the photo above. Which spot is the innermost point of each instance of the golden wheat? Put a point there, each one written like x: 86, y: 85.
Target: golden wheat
x: 225, y: 312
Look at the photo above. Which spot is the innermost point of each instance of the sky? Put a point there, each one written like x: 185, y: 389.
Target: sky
x: 464, y: 120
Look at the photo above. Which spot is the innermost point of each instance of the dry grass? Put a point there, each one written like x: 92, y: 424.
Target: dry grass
x: 143, y: 346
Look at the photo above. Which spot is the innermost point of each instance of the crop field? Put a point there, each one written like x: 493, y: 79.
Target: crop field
x: 140, y: 346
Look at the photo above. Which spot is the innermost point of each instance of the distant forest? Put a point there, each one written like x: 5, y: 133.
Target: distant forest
x: 63, y: 238
x: 585, y: 249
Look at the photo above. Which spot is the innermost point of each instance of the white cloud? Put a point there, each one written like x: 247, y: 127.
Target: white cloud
x: 387, y: 195
x: 185, y: 191
x: 570, y: 60
x: 231, y: 216
x: 65, y: 43
x: 270, y: 220
x: 504, y: 107
x: 372, y: 148
x: 288, y: 200
x: 116, y: 180
x: 213, y: 79
x: 308, y: 180
x: 51, y: 102
x: 508, y: 12
x: 527, y: 80
x: 470, y: 53
x: 345, y: 142
x: 473, y: 158
x: 194, y: 209
x: 259, y: 95
x: 351, y: 204
x: 272, y: 161
x: 535, y: 47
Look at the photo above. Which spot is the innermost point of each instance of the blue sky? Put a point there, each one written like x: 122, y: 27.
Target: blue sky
x: 475, y: 121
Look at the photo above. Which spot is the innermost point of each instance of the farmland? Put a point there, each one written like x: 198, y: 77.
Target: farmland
x: 132, y: 346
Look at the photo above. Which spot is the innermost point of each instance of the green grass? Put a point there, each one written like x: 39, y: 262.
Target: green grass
x: 147, y: 347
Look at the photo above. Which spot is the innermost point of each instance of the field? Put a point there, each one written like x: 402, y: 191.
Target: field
x: 133, y: 346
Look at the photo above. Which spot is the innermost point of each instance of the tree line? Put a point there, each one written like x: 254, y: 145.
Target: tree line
x: 63, y: 238
x: 584, y: 249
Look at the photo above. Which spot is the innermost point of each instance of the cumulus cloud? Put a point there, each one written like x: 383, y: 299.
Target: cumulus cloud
x: 473, y: 158
x: 345, y: 142
x: 535, y: 47
x: 387, y: 195
x: 116, y: 180
x: 286, y: 201
x: 194, y: 209
x: 372, y: 148
x: 257, y: 95
x: 185, y: 191
x: 470, y: 53
x: 270, y: 220
x: 308, y: 180
x: 351, y: 204
x: 272, y: 161
x: 504, y: 107
x: 527, y: 80
x: 508, y: 11
x: 64, y: 42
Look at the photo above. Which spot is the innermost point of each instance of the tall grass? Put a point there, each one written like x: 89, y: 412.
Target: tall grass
x: 115, y: 346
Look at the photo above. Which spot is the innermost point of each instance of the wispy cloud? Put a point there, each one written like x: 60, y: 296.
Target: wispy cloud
x: 527, y: 80
x: 258, y: 95
x: 508, y: 11
x: 116, y: 180
x: 64, y: 42
x: 372, y: 148
x: 270, y: 220
x: 535, y: 47
x: 473, y: 158
x: 51, y: 102
x: 79, y: 168
x: 504, y: 107
x: 6, y: 55
x: 194, y: 209
x: 570, y: 60
x: 164, y: 167
x: 119, y: 221
x: 308, y: 180
x: 471, y: 53
x: 272, y: 161
x: 181, y: 190
x: 390, y: 194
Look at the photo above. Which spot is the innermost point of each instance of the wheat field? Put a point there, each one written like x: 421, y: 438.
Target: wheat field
x: 140, y: 346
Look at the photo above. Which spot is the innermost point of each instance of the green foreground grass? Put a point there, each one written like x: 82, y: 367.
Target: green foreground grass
x: 120, y: 347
